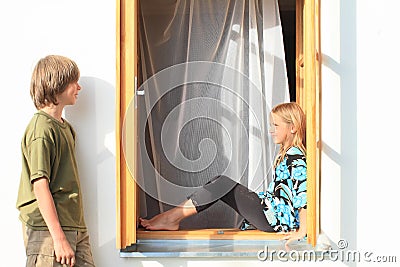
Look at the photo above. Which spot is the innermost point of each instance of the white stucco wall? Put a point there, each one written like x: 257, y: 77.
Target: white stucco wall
x: 378, y: 115
x: 360, y: 93
x: 359, y: 97
x: 85, y: 32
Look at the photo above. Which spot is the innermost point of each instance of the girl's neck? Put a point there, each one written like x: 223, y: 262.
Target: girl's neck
x: 287, y: 144
x: 54, y: 110
x: 282, y: 151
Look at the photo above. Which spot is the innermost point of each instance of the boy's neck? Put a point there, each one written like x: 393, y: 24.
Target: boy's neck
x: 55, y: 111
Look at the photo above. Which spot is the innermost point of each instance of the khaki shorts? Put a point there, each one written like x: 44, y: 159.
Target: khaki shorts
x: 40, y: 250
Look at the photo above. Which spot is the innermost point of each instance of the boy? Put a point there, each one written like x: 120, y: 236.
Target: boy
x: 49, y: 196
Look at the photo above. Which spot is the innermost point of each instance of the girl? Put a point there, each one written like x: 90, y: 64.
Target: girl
x: 281, y: 209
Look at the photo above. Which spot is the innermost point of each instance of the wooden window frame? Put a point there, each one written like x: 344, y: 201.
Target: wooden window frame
x: 307, y: 95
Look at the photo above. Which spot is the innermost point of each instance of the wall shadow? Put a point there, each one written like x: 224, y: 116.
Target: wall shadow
x: 93, y: 118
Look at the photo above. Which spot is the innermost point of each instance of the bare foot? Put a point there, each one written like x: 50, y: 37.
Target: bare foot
x: 163, y: 221
x: 170, y: 219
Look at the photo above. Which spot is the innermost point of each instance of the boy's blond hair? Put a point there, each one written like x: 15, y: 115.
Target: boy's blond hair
x: 50, y: 78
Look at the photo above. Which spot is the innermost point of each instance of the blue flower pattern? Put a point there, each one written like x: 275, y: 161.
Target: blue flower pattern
x: 287, y: 193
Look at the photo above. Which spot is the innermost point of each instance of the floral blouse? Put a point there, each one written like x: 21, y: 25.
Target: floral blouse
x: 287, y: 193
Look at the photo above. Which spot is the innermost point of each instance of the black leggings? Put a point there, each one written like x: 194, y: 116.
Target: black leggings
x: 240, y: 198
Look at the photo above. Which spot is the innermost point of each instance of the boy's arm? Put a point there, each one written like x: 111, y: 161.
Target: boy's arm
x: 63, y: 250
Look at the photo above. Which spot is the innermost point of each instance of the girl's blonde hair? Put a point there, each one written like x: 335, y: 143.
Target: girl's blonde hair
x: 50, y: 78
x: 292, y: 113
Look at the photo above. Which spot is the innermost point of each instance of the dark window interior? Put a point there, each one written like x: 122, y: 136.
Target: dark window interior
x: 287, y: 10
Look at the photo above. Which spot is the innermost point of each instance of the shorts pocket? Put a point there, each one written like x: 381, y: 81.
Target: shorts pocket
x: 36, y: 260
x: 40, y: 242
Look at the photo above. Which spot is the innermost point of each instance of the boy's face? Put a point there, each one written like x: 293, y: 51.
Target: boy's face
x: 70, y: 94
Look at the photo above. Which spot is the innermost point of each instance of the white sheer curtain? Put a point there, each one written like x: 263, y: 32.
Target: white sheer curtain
x: 210, y: 72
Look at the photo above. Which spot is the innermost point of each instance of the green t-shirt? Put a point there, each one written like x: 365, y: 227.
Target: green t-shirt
x: 48, y: 150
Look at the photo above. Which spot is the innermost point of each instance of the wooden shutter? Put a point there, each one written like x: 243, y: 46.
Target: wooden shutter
x: 126, y: 72
x: 308, y: 92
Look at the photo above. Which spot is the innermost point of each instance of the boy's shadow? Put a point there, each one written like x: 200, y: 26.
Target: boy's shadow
x: 93, y: 118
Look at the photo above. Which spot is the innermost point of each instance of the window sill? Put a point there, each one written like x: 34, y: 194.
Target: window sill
x: 207, y: 243
x: 208, y: 234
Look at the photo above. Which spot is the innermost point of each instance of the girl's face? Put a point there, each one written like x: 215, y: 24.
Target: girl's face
x: 280, y: 130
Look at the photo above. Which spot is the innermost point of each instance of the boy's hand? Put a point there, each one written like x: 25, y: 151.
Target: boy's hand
x: 64, y: 252
x: 62, y: 248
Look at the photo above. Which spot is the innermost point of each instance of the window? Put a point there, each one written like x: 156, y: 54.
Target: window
x: 307, y: 95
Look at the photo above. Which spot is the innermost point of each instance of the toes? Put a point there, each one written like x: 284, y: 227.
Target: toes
x: 143, y: 222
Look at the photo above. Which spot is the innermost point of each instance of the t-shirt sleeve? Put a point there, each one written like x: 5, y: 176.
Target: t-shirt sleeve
x: 40, y: 158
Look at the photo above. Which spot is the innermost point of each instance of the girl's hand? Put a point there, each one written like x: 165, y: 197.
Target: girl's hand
x: 300, y: 233
x: 293, y: 236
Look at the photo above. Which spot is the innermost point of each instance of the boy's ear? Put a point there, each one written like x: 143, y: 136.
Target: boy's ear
x: 293, y: 130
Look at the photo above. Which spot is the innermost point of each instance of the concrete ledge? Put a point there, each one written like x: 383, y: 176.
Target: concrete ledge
x: 210, y: 248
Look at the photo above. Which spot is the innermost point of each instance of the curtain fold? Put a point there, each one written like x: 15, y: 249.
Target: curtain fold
x: 210, y: 71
